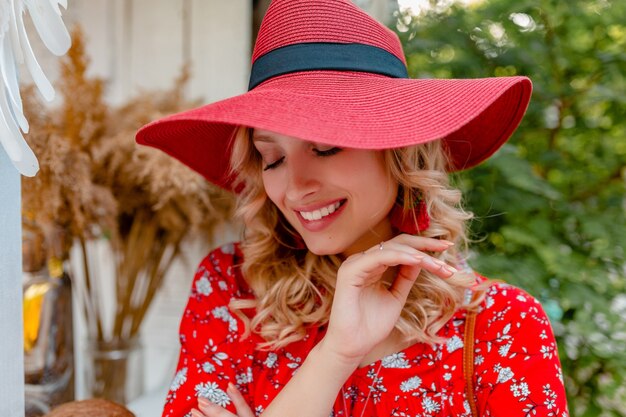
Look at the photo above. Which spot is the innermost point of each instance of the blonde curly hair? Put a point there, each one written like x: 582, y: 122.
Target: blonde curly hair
x: 294, y: 287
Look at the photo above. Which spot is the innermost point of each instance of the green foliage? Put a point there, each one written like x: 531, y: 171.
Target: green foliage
x: 550, y: 206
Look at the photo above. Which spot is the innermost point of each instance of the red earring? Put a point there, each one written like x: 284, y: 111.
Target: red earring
x: 412, y: 220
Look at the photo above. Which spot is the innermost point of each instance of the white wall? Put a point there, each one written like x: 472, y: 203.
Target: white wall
x: 141, y: 45
x: 11, y: 350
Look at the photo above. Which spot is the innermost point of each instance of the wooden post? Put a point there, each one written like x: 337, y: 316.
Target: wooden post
x: 11, y: 316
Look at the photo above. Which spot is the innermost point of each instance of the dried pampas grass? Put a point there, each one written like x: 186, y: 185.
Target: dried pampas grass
x: 96, y: 183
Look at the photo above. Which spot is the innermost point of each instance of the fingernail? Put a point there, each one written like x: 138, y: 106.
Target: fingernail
x: 204, y: 402
x: 231, y: 387
x: 451, y: 269
x: 430, y: 261
x: 439, y: 262
x: 447, y: 242
x: 196, y: 413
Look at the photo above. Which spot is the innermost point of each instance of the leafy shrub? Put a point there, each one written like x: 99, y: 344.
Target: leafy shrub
x: 550, y: 206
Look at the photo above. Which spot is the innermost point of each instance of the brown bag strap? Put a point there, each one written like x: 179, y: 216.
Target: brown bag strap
x: 468, y: 360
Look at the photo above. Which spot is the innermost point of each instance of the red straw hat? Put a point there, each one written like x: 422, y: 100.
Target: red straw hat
x: 325, y: 71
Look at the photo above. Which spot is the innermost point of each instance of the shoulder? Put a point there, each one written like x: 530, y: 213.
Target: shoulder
x: 511, y: 318
x: 515, y: 356
x: 500, y: 295
x: 216, y: 283
x: 219, y: 273
x: 221, y: 259
x: 504, y: 300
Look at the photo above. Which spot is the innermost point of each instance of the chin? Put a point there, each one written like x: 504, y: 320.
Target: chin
x: 325, y: 248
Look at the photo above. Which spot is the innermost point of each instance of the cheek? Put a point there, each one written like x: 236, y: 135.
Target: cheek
x: 273, y: 188
x: 386, y: 193
x: 374, y: 177
x: 383, y: 188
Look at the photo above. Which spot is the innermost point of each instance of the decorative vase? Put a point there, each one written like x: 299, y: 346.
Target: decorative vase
x: 114, y: 369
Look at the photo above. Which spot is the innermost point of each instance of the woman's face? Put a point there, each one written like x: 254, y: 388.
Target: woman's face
x: 337, y: 199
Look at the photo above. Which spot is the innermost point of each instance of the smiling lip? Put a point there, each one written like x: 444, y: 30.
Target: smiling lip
x: 317, y: 225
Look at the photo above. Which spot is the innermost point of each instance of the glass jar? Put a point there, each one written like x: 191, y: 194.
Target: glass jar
x: 48, y: 335
x: 114, y: 369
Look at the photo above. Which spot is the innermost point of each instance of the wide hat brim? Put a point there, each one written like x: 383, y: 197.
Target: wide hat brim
x: 473, y: 117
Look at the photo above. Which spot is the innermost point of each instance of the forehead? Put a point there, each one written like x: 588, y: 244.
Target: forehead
x: 260, y: 135
x: 267, y: 136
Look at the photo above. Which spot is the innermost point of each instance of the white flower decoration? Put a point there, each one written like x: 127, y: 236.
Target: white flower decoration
x: 212, y: 392
x: 547, y: 351
x: 430, y: 406
x: 504, y: 350
x: 244, y: 377
x: 271, y: 360
x: 395, y: 360
x: 203, y: 286
x: 454, y: 343
x: 179, y: 379
x: 208, y: 367
x: 411, y: 384
x: 520, y: 390
x: 221, y: 313
x: 504, y: 375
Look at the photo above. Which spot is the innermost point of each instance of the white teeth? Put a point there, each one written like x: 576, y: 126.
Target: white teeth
x: 318, y: 214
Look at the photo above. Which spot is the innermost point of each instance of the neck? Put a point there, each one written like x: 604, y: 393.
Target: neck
x: 381, y: 233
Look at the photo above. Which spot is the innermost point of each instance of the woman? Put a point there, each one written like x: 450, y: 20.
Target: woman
x: 348, y: 295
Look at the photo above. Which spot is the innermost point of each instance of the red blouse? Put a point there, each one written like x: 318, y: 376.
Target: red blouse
x: 517, y: 370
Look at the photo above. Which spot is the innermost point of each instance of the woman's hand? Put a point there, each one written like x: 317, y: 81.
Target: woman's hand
x: 365, y: 310
x: 208, y: 409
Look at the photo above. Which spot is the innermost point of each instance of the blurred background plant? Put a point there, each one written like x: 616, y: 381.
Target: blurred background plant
x: 97, y: 185
x: 550, y: 206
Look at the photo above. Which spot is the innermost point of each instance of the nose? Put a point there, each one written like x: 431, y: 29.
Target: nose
x: 302, y: 181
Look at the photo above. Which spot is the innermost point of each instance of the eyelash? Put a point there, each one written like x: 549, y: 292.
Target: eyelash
x: 273, y: 164
x: 329, y: 152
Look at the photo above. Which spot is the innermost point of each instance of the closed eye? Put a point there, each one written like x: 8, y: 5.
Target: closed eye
x: 327, y: 152
x: 273, y: 164
x: 318, y: 152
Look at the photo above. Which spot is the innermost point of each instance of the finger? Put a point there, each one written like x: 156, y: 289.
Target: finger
x: 376, y: 262
x: 430, y: 263
x: 392, y: 245
x: 413, y: 245
x: 243, y: 409
x: 438, y: 267
x: 393, y: 255
x: 212, y: 410
x: 423, y: 243
x: 403, y: 282
x: 197, y: 413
